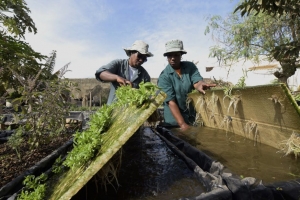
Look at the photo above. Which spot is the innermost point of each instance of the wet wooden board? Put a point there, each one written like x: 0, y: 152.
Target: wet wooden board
x: 126, y: 121
x: 267, y: 114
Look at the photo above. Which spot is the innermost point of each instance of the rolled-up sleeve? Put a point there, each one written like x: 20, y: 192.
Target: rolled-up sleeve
x: 112, y: 67
x: 165, y: 84
x: 194, y: 73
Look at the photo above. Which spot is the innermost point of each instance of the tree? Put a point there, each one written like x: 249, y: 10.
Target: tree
x: 256, y: 36
x: 14, y: 17
x: 16, y: 56
x: 42, y: 94
x: 30, y: 75
x: 271, y: 7
x: 277, y: 9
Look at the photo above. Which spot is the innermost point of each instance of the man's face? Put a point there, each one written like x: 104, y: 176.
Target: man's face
x: 137, y: 59
x: 174, y: 59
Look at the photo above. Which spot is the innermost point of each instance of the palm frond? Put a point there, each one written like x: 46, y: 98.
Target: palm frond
x: 62, y: 71
x: 50, y: 63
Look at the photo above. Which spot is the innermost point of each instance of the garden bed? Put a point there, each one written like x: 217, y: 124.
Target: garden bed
x: 11, y: 167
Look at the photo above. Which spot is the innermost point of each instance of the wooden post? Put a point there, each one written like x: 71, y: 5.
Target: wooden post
x: 100, y: 98
x: 90, y: 101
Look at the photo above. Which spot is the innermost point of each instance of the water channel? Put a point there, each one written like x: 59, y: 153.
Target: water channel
x: 150, y: 170
x: 242, y: 156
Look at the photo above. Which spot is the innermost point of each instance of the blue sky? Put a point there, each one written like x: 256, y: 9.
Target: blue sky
x: 91, y: 33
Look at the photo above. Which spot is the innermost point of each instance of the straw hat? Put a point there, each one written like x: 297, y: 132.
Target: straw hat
x: 174, y: 46
x: 139, y: 46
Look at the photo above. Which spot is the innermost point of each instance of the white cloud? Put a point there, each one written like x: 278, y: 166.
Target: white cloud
x: 91, y: 33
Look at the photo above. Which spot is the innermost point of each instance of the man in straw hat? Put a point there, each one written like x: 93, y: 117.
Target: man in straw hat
x: 177, y: 80
x: 126, y: 71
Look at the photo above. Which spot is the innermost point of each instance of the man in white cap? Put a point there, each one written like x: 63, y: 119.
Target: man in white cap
x: 177, y: 80
x: 126, y: 71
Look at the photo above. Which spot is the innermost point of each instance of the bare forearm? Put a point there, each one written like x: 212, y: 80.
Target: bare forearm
x: 176, y: 113
x: 110, y: 77
x: 107, y: 76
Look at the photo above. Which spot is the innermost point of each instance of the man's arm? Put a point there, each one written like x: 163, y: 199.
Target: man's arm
x: 110, y: 77
x: 197, y: 79
x: 177, y: 115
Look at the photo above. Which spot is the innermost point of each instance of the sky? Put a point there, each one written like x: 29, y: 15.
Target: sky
x: 90, y: 33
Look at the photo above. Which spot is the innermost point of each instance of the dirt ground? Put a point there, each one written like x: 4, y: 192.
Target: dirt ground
x: 11, y: 166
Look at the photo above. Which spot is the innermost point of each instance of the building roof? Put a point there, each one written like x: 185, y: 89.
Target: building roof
x: 264, y: 67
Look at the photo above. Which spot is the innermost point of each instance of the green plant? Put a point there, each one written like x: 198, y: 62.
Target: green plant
x: 227, y: 92
x: 297, y: 97
x: 15, y: 141
x: 57, y: 166
x: 2, y: 98
x: 142, y: 96
x: 35, y: 188
x: 15, y: 53
x: 257, y: 37
x: 241, y: 82
x: 41, y: 98
x: 88, y: 143
x: 112, y: 140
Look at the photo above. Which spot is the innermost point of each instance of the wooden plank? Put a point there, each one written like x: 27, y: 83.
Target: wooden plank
x: 126, y: 122
x: 267, y: 114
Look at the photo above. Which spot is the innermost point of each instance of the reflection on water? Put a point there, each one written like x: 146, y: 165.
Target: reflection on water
x: 240, y: 155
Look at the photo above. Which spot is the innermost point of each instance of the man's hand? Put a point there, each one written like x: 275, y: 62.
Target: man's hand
x: 110, y: 77
x: 184, y: 126
x: 123, y: 81
x: 201, y: 86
